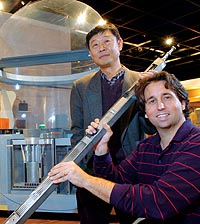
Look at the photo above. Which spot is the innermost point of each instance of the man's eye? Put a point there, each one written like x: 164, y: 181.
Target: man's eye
x: 94, y: 45
x: 152, y: 101
x: 107, y: 41
x: 167, y: 97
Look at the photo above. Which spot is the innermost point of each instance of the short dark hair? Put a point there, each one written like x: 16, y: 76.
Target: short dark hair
x: 101, y: 29
x: 171, y: 82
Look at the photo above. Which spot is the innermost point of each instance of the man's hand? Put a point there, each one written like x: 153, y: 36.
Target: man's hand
x: 101, y: 147
x: 148, y: 74
x: 68, y: 171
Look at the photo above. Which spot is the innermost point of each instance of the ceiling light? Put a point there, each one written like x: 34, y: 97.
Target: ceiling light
x: 195, y: 54
x: 102, y: 22
x: 1, y: 6
x: 81, y: 18
x: 169, y: 41
x: 17, y: 86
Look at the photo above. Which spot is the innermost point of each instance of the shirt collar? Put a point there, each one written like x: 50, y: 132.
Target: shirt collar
x: 114, y: 79
x: 182, y: 132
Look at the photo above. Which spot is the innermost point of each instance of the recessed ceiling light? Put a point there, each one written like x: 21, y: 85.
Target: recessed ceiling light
x: 169, y: 41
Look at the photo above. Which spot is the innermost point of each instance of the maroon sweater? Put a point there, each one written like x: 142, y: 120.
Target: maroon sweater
x: 161, y: 185
x: 110, y: 94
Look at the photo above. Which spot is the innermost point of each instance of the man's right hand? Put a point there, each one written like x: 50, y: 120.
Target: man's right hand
x: 102, y: 146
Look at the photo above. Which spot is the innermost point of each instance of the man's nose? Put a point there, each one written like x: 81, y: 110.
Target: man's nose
x: 101, y: 47
x: 161, y: 105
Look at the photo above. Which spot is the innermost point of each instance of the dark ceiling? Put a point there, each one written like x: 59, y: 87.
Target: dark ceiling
x: 145, y: 24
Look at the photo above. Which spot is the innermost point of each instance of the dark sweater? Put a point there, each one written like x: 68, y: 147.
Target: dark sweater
x: 161, y: 185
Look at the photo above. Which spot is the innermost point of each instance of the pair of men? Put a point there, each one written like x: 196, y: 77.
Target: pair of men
x: 91, y: 97
x: 159, y: 181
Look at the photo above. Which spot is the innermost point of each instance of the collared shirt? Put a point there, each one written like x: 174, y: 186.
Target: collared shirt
x: 114, y: 79
x: 157, y: 184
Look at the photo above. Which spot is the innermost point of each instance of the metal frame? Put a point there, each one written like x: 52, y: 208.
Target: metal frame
x: 46, y: 58
x: 42, y: 59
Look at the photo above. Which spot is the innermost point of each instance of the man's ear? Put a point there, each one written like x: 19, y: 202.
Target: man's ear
x: 120, y: 44
x: 183, y: 105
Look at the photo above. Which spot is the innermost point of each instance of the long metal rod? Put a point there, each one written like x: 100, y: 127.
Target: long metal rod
x: 39, y: 195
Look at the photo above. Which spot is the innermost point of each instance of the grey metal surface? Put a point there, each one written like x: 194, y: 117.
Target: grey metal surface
x: 43, y: 59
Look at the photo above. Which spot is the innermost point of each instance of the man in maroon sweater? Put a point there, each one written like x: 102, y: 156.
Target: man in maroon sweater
x: 160, y: 180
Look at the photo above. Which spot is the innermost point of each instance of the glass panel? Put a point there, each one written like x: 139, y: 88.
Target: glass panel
x: 34, y: 95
